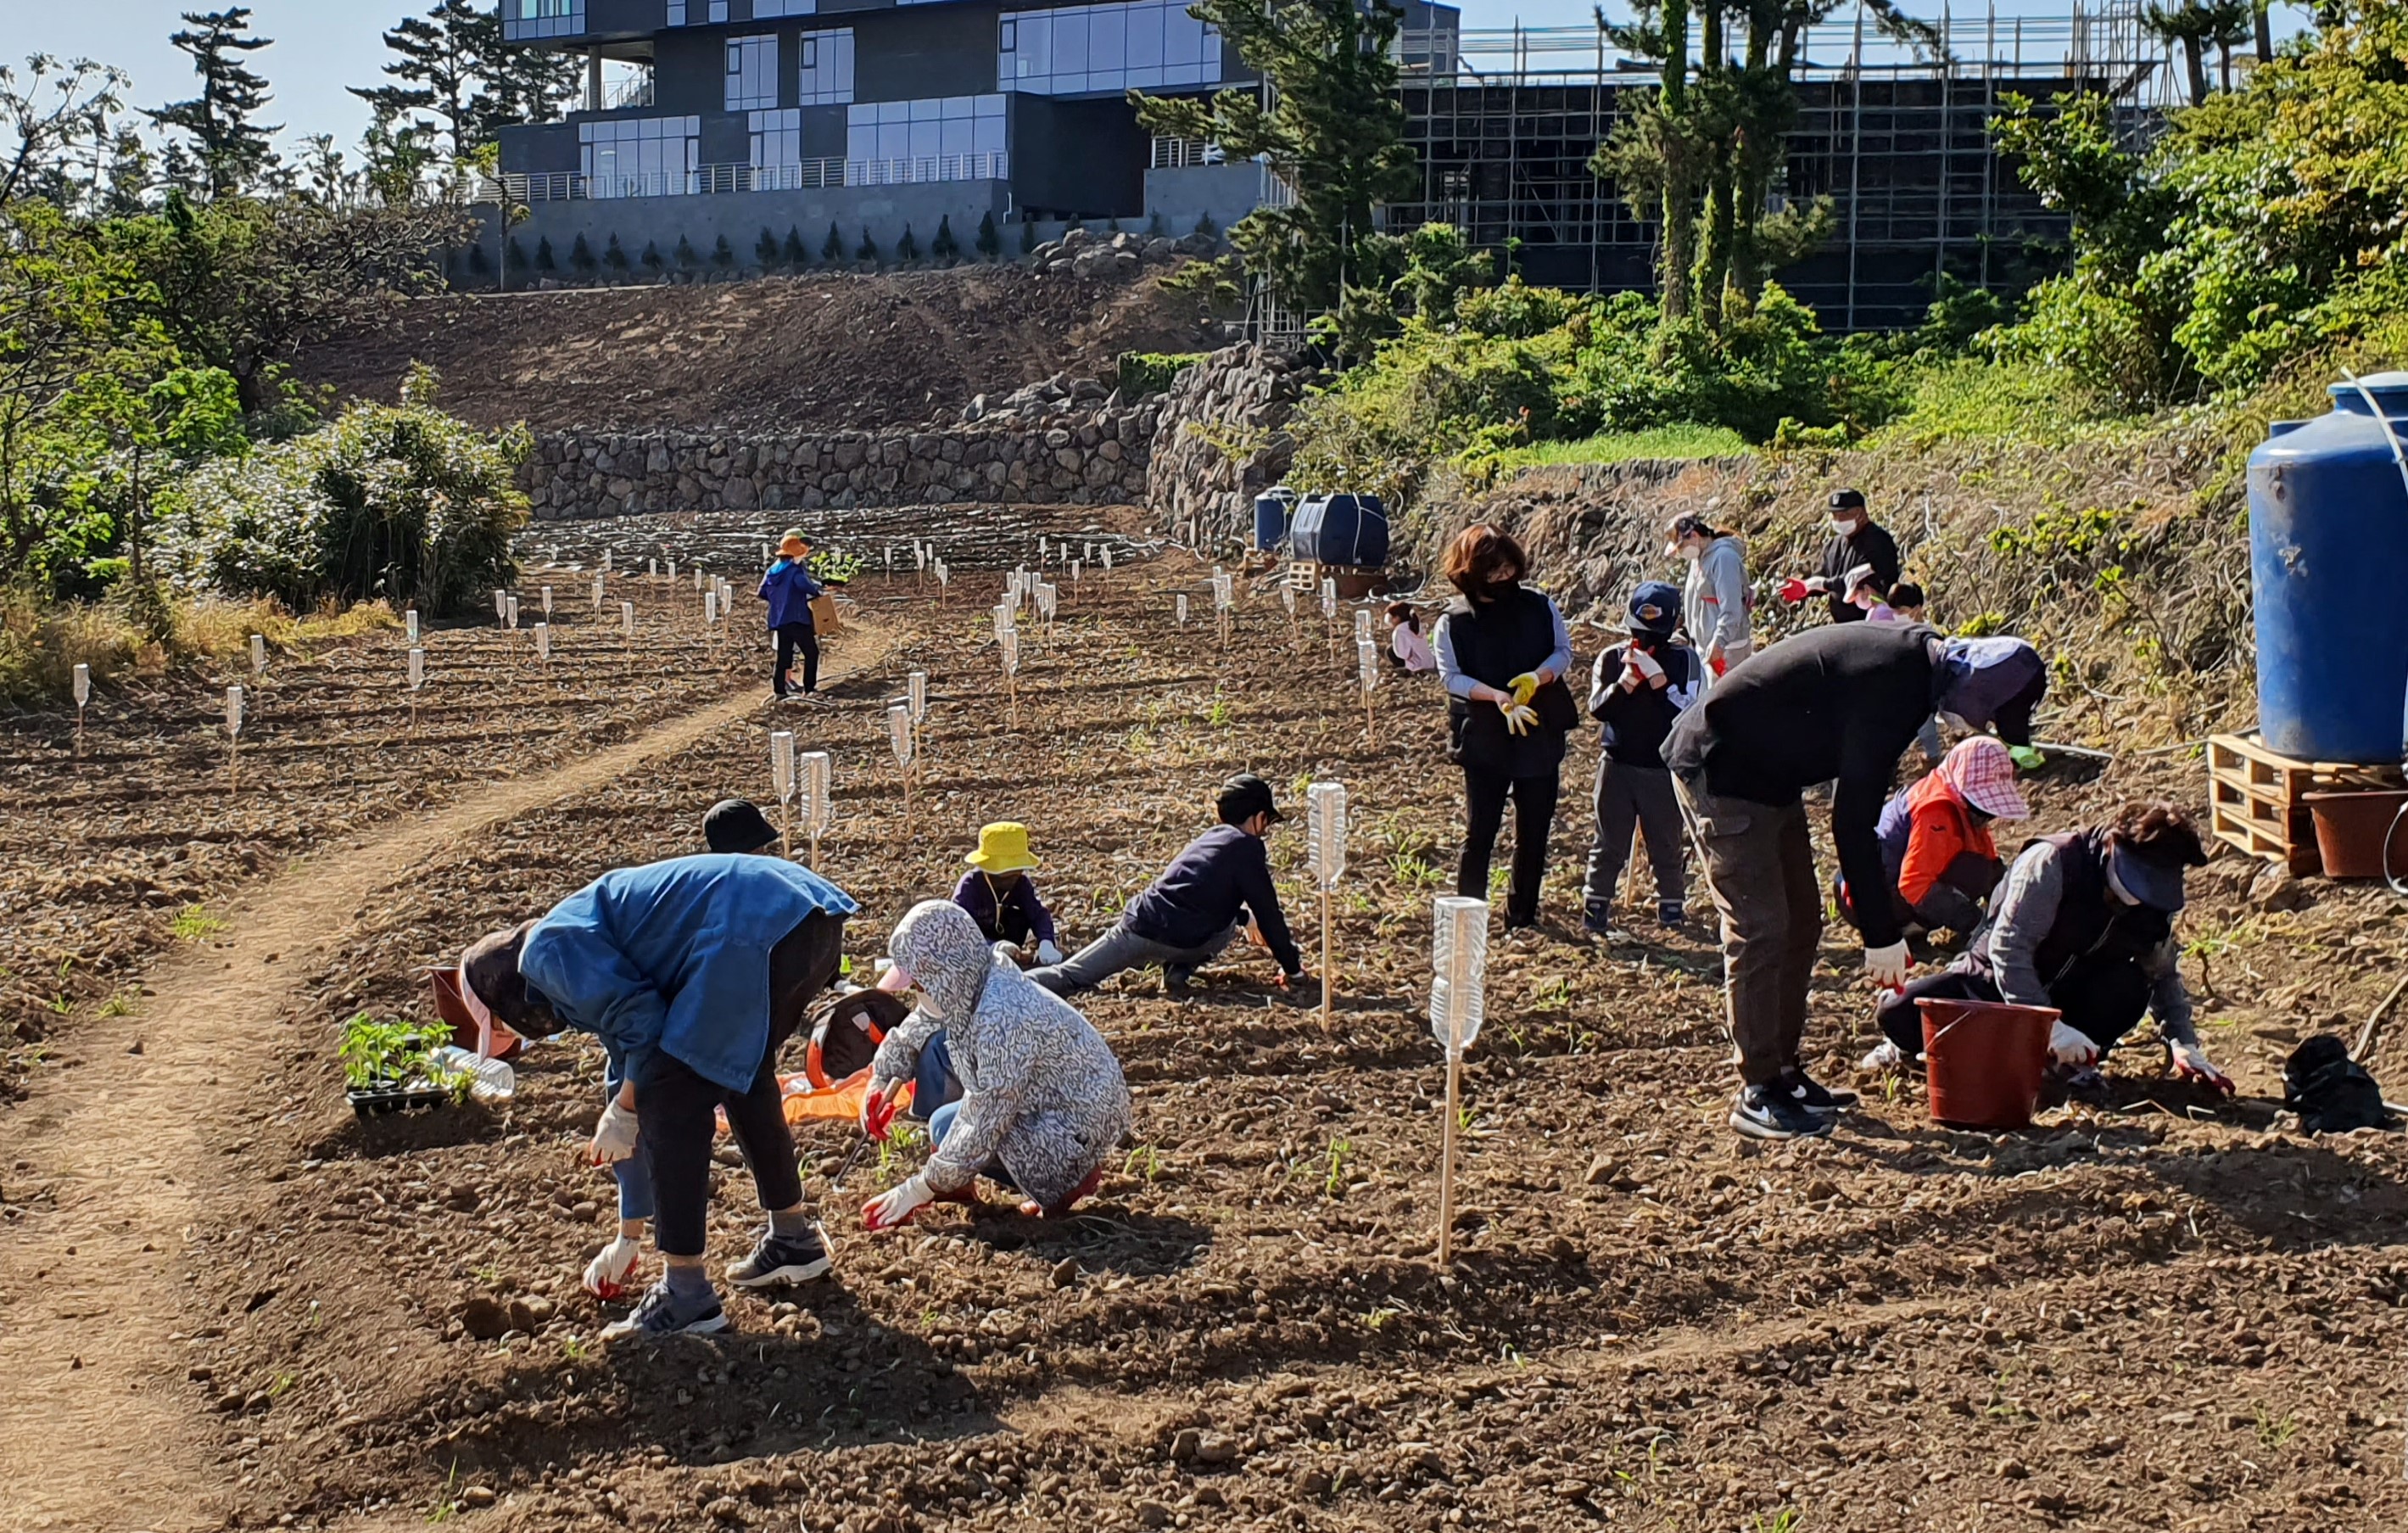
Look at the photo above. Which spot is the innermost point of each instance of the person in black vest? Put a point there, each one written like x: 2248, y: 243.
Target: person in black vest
x: 1855, y: 541
x: 1503, y: 653
x: 2085, y: 926
x: 1830, y: 705
x: 1635, y: 694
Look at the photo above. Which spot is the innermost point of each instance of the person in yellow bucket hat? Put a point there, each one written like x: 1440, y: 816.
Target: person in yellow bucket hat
x: 1001, y: 897
x: 789, y: 589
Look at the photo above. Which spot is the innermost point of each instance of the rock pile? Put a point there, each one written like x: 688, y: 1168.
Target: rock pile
x: 1096, y: 457
x: 1083, y: 252
x: 1223, y: 439
x: 1058, y: 394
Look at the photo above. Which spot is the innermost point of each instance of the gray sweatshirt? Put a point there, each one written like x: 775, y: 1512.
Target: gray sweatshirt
x: 2020, y: 918
x: 1040, y: 1090
x: 1713, y: 601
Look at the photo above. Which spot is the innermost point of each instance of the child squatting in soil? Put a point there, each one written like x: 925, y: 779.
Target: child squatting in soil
x: 1043, y: 1102
x: 1001, y: 897
x: 694, y: 973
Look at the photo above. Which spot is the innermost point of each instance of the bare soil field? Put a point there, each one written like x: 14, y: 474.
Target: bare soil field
x: 822, y: 352
x: 2160, y: 1313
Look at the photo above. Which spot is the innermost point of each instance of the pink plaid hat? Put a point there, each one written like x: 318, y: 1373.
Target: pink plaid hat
x: 1984, y: 775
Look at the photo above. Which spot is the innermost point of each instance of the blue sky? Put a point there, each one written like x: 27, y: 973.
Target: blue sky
x: 323, y: 45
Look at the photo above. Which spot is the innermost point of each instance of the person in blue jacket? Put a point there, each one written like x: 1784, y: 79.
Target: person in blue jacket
x: 789, y: 589
x: 693, y: 972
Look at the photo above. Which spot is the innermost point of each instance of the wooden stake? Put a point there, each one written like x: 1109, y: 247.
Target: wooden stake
x: 1328, y: 1026
x: 1446, y: 1161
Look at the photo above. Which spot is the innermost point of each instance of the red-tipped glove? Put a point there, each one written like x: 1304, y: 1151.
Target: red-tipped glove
x: 1794, y: 590
x: 896, y: 1205
x: 878, y: 1110
x: 2191, y: 1064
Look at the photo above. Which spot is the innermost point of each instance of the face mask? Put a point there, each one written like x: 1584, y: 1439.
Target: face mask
x: 2115, y: 887
x: 1689, y: 551
x: 1844, y: 527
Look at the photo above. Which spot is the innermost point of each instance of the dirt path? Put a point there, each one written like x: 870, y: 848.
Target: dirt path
x: 116, y: 1158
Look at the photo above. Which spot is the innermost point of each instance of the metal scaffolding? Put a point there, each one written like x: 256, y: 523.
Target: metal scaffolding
x: 1898, y: 137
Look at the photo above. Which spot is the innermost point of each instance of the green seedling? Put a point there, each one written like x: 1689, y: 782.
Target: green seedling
x: 1498, y: 878
x: 1414, y: 871
x: 1218, y: 714
x: 1334, y: 1183
x: 117, y: 1006
x: 2275, y: 1431
x: 1553, y: 996
x: 1785, y: 1521
x: 447, y: 1506
x: 284, y: 1382
x: 1144, y: 1162
x: 574, y: 1350
x: 385, y: 1056
x: 193, y: 923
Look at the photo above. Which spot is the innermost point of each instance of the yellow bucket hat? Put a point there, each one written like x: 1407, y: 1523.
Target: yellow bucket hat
x: 1003, y: 847
x: 793, y: 542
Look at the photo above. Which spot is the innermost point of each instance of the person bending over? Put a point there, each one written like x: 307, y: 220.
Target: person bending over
x: 1935, y: 839
x: 2085, y: 926
x: 693, y: 972
x: 1042, y: 1104
x: 1198, y: 908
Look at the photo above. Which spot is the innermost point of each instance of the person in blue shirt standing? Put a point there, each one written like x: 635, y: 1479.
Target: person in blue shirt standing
x: 693, y: 972
x: 789, y: 589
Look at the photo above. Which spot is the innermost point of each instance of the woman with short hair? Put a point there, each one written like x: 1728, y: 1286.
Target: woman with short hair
x: 1503, y: 653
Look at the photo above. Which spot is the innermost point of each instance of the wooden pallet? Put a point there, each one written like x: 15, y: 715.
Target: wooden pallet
x: 2258, y: 799
x: 1355, y: 582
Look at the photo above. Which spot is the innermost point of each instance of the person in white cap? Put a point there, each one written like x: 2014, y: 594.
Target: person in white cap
x: 1936, y: 843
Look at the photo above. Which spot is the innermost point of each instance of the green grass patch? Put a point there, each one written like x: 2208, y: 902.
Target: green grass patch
x: 1965, y: 400
x: 1673, y: 441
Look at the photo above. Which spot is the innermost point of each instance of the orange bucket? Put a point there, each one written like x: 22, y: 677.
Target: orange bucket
x: 1984, y: 1061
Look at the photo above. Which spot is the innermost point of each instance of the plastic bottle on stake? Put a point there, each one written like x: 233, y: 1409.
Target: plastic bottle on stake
x: 410, y: 624
x: 1328, y: 598
x: 513, y: 618
x: 82, y: 698
x: 598, y: 593
x: 1362, y: 625
x: 543, y: 642
x: 547, y: 601
x: 1183, y: 609
x: 818, y: 784
x: 898, y: 732
x: 711, y: 609
x: 417, y: 668
x: 1458, y: 975
x: 501, y: 607
x: 917, y: 685
x: 259, y: 655
x: 627, y: 618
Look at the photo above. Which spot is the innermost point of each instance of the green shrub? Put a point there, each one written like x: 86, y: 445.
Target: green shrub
x: 1144, y: 373
x: 401, y: 502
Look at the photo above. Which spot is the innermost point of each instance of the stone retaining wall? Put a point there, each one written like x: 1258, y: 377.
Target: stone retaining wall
x: 1223, y: 440
x: 1100, y: 458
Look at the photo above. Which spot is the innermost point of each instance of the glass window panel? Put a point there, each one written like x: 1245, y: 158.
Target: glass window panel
x: 1107, y: 42
x: 1070, y: 44
x: 1145, y: 24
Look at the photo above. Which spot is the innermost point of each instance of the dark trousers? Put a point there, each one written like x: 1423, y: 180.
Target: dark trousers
x: 1631, y: 797
x: 1760, y: 867
x: 794, y: 637
x: 1534, y: 815
x: 674, y: 1105
x: 2102, y: 1000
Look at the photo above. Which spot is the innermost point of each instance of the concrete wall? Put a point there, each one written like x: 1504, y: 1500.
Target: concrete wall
x: 1098, y: 458
x: 884, y: 210
x: 1224, y: 193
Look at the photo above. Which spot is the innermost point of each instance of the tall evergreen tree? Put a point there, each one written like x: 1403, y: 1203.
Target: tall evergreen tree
x: 454, y: 63
x: 231, y: 148
x: 1335, y: 132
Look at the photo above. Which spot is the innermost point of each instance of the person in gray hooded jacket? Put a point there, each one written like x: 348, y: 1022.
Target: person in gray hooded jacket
x: 1043, y: 1103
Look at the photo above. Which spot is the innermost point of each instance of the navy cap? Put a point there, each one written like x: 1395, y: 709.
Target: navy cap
x: 1655, y: 608
x: 2156, y: 884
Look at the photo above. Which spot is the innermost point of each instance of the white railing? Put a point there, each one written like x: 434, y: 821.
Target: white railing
x: 1179, y: 153
x: 721, y: 180
x: 635, y: 91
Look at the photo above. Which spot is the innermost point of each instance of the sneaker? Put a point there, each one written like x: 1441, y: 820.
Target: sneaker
x: 1815, y: 1096
x: 1770, y: 1112
x: 611, y: 1273
x: 1178, y: 983
x: 1033, y: 1210
x: 1671, y: 913
x: 782, y: 1258
x: 656, y: 1314
x: 1600, y: 925
x: 1885, y: 1055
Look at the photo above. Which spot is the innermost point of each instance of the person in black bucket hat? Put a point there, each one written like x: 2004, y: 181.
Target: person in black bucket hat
x: 737, y: 826
x: 2084, y: 925
x: 1215, y: 890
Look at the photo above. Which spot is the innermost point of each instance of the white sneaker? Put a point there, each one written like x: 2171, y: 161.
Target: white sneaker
x: 1886, y: 1056
x: 612, y: 1273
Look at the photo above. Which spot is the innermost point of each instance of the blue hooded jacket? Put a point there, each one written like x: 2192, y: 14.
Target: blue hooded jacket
x: 675, y: 956
x: 788, y: 588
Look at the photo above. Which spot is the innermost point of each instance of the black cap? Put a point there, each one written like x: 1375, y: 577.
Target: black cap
x: 1847, y: 500
x: 2154, y: 884
x: 1244, y: 796
x: 734, y: 826
x: 1655, y: 608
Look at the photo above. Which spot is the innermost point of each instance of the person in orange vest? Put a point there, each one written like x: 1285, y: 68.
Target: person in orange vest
x: 1936, y: 844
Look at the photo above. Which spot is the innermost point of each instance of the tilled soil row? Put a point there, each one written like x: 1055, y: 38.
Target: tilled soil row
x: 2154, y: 1314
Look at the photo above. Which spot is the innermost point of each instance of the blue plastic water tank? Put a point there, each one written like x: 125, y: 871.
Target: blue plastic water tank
x: 2329, y: 559
x: 1342, y: 530
x: 1271, y: 510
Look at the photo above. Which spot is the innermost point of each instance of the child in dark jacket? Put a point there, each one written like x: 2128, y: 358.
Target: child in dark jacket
x: 789, y: 589
x: 1636, y: 692
x: 1002, y: 899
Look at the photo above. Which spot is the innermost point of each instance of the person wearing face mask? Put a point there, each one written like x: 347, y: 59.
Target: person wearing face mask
x: 1936, y: 841
x: 1043, y: 1103
x: 1855, y: 541
x: 2085, y: 926
x: 1503, y: 650
x: 1836, y: 705
x: 1714, y: 599
x: 1635, y: 693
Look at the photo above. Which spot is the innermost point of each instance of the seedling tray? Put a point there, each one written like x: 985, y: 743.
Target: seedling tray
x: 376, y: 1104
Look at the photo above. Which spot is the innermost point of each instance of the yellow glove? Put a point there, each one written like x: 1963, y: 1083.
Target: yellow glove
x: 1520, y: 718
x: 1524, y: 687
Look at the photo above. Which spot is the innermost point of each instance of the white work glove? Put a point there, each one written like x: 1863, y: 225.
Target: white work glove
x: 896, y: 1205
x: 1819, y: 586
x: 1520, y: 718
x: 2190, y: 1063
x: 612, y: 1271
x: 1048, y: 953
x: 1646, y: 664
x: 2071, y: 1046
x: 1887, y: 966
x: 614, y: 1135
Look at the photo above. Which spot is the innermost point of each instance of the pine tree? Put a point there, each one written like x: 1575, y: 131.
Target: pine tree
x: 231, y: 149
x: 442, y: 57
x: 723, y: 254
x: 797, y: 254
x: 832, y: 248
x: 1027, y: 235
x: 687, y: 258
x: 867, y: 248
x: 543, y: 257
x: 765, y: 250
x: 945, y: 247
x: 652, y: 257
x: 615, y: 255
x: 989, y: 243
x: 1336, y: 133
x: 580, y: 255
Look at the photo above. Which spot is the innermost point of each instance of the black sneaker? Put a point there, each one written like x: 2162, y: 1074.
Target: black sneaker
x: 1815, y: 1096
x: 782, y: 1258
x: 1770, y: 1112
x: 1671, y: 914
x: 1178, y: 983
x: 658, y: 1314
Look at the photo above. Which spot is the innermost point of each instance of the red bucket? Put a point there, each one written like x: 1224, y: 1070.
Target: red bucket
x: 454, y: 1012
x: 1984, y: 1061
